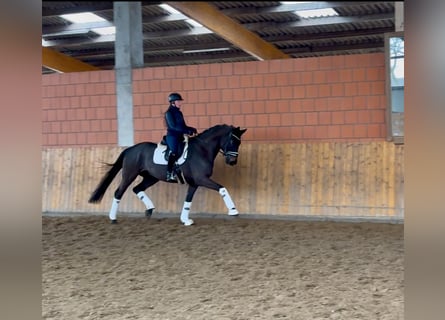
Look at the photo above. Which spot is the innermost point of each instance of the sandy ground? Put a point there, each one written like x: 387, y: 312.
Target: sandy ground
x: 220, y: 269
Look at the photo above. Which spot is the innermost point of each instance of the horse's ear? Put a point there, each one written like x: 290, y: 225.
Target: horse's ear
x: 241, y: 131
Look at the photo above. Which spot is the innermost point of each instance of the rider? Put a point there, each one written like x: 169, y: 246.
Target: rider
x: 176, y: 128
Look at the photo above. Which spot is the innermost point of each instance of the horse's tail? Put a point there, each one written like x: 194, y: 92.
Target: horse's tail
x: 98, y: 194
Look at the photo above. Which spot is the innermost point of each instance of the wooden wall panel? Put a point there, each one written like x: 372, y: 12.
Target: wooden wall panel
x: 362, y: 179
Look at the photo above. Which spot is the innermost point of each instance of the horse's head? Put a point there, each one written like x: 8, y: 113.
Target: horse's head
x: 231, y: 145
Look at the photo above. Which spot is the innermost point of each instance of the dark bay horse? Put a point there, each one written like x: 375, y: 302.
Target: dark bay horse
x: 196, y: 169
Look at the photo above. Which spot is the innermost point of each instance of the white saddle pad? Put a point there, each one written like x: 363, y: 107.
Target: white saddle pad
x: 159, y: 158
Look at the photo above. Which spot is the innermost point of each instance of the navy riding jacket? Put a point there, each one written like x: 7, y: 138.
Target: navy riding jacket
x: 176, y: 127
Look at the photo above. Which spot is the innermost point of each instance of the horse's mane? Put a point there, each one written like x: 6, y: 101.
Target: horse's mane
x: 213, y: 129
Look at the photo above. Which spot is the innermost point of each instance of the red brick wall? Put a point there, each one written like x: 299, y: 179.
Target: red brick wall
x: 335, y: 98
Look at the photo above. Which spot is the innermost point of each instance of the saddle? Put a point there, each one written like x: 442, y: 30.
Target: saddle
x: 162, y: 151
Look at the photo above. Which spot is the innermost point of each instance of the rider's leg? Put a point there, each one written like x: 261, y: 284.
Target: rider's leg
x: 173, y: 144
x: 170, y: 172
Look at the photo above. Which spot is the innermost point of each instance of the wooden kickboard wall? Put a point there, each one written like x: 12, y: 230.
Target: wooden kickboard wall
x: 360, y: 179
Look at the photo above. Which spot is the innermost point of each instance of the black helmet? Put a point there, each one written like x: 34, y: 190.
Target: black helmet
x: 174, y: 97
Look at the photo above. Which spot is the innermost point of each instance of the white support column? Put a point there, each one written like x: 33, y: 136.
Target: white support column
x: 129, y: 55
x: 399, y: 16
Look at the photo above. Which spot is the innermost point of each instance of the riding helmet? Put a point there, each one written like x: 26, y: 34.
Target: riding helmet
x: 174, y: 97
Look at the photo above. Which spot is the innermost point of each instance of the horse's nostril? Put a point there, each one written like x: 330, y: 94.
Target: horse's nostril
x: 231, y: 160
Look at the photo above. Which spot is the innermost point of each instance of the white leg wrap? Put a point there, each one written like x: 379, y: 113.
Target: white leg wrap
x: 113, y: 210
x: 146, y: 200
x: 185, y: 214
x: 228, y: 201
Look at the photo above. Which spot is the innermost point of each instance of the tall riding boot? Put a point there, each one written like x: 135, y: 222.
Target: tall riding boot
x: 171, y: 176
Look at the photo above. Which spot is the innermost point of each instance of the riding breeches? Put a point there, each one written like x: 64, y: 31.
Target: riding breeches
x: 173, y: 143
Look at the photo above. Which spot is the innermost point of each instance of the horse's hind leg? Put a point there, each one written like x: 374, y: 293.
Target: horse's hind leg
x: 148, y: 180
x: 127, y: 179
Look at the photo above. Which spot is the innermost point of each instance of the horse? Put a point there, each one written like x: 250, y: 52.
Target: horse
x: 196, y: 169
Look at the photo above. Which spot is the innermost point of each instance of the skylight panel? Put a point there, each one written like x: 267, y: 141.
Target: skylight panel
x: 105, y: 31
x: 84, y: 17
x: 206, y: 50
x: 317, y: 13
x: 194, y: 23
x: 169, y: 8
x: 88, y: 17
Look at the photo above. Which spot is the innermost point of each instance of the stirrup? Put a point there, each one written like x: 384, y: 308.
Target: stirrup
x: 171, y: 177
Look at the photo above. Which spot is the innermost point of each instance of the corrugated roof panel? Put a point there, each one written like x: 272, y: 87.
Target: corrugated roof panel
x: 275, y: 17
x: 54, y: 21
x: 243, y: 4
x: 165, y: 40
x: 366, y: 9
x: 165, y: 26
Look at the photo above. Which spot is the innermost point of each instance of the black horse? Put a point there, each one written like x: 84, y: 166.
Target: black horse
x: 195, y: 166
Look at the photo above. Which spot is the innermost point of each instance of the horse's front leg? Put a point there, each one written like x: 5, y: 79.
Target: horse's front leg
x: 187, y: 205
x: 228, y: 201
x: 209, y: 183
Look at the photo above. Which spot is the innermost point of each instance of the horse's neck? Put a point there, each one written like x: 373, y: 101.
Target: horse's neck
x: 213, y: 140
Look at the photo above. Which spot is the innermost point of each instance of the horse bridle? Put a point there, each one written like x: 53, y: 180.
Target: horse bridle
x: 224, y: 150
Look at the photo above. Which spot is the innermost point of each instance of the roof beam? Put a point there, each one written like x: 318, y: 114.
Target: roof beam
x: 62, y: 63
x: 229, y: 29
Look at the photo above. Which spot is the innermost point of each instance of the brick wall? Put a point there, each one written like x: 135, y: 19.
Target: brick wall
x: 335, y: 98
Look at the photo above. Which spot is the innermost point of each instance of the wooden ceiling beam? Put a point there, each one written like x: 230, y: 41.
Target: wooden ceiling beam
x: 229, y: 29
x: 62, y: 63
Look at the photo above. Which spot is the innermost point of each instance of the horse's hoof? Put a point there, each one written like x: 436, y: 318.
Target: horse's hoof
x: 188, y: 222
x: 113, y: 221
x: 148, y: 212
x: 233, y: 212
